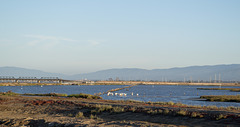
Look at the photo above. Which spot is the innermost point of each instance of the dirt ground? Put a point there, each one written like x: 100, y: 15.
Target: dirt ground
x: 73, y: 112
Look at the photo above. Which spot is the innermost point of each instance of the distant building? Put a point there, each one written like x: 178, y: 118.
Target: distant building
x: 88, y: 82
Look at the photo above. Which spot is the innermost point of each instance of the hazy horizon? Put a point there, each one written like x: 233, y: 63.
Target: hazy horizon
x: 118, y: 68
x: 75, y: 36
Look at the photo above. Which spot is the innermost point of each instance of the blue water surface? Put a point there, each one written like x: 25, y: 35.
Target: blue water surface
x: 154, y: 93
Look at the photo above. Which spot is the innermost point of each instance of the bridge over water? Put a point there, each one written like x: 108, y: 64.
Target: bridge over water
x: 11, y: 79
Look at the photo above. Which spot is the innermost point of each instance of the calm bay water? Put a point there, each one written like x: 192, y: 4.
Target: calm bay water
x: 154, y: 93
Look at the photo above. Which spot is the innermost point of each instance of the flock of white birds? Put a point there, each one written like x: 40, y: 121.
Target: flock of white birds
x: 119, y: 94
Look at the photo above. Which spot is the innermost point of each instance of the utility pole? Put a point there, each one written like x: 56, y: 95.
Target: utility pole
x: 219, y: 78
x: 215, y: 78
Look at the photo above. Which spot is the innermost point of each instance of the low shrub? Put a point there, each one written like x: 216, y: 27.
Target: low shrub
x: 9, y: 93
x: 132, y: 109
x: 170, y: 103
x: 194, y: 114
x: 222, y: 98
x: 117, y: 109
x: 79, y: 115
x: 87, y: 96
x: 152, y: 112
x: 220, y: 116
x: 102, y: 108
x: 231, y: 89
x: 93, y: 116
x: 165, y: 111
x: 182, y: 113
x: 70, y: 115
x: 48, y: 94
x: 134, y: 101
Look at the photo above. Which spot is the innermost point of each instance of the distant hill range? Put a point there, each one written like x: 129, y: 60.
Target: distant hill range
x: 195, y: 73
x: 23, y: 72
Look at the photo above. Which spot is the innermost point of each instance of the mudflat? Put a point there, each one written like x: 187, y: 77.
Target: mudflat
x: 74, y: 112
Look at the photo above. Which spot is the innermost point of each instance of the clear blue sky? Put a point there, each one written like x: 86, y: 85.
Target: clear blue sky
x: 78, y: 36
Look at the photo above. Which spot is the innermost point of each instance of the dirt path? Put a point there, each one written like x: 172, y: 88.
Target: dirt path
x: 72, y: 112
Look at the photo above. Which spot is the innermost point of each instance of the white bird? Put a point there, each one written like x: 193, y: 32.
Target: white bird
x: 121, y: 94
x: 109, y: 93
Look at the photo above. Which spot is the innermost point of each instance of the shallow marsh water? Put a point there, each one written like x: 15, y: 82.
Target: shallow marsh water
x: 154, y: 93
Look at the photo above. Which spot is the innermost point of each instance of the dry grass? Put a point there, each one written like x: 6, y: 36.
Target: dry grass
x: 81, y: 95
x: 48, y: 94
x: 79, y: 115
x: 231, y: 89
x: 222, y: 98
x: 87, y: 96
x: 9, y: 93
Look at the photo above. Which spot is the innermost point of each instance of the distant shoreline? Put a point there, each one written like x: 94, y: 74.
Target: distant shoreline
x: 123, y: 83
x: 166, y: 83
